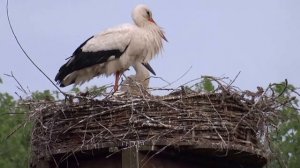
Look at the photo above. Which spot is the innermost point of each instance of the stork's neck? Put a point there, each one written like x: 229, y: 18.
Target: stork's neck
x: 142, y: 74
x: 153, y: 36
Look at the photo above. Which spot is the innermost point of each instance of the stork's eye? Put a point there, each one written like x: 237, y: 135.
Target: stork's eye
x: 148, y: 13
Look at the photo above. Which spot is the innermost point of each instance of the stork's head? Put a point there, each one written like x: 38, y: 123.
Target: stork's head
x: 142, y: 17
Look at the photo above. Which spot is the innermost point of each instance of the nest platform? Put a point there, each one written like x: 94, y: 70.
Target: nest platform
x: 205, y: 129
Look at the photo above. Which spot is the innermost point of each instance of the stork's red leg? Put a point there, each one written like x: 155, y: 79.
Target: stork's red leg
x: 118, y: 74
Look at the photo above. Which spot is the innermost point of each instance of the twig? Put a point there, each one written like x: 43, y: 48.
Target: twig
x: 165, y: 147
x: 16, y: 129
x: 20, y: 86
x: 236, y: 76
x: 178, y: 78
x: 25, y: 53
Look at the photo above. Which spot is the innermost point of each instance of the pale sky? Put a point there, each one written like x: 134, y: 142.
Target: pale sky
x: 214, y: 37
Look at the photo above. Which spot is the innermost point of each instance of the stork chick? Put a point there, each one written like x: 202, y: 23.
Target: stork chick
x: 136, y: 84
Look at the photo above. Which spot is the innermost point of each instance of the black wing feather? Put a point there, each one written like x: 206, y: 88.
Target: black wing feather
x: 81, y: 60
x: 79, y: 50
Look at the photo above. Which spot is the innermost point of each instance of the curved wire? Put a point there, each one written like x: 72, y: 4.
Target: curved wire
x: 19, y: 44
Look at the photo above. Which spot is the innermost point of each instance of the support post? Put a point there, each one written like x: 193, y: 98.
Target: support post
x: 130, y: 157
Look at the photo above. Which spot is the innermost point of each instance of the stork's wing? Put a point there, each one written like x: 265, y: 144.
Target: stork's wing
x: 98, y: 49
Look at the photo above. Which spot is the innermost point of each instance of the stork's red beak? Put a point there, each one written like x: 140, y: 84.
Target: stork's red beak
x: 151, y: 20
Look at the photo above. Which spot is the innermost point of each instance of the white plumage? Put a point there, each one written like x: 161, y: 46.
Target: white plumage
x: 136, y: 84
x: 114, y: 50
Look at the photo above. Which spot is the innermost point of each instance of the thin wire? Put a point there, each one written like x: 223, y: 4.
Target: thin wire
x: 12, y: 30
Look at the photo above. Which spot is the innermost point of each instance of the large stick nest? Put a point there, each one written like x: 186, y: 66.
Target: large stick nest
x: 224, y: 120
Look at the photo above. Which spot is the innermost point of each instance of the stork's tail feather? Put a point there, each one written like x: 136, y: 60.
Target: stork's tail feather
x: 147, y: 65
x: 60, y: 76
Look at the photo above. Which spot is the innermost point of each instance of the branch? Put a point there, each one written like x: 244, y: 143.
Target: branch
x: 25, y: 53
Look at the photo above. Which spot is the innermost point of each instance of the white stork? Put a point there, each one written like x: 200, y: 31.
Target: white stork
x: 114, y: 50
x: 135, y: 83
